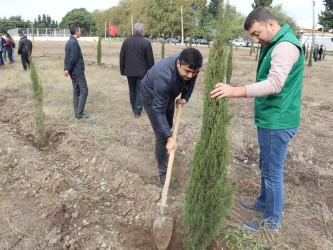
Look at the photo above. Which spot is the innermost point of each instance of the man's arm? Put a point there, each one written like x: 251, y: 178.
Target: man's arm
x: 122, y: 59
x: 73, y: 56
x: 283, y: 58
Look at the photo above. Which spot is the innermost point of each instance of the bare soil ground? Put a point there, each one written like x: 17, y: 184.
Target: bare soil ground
x: 95, y: 184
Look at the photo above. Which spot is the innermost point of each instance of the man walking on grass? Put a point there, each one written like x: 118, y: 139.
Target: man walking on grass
x: 74, y: 67
x: 277, y: 93
x: 160, y: 87
x: 136, y: 58
x: 25, y: 50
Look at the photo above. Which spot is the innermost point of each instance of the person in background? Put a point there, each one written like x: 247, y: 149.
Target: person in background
x: 25, y: 50
x: 136, y: 58
x: 320, y: 52
x: 315, y: 53
x: 4, y: 48
x: 13, y: 46
x: 277, y: 93
x: 74, y: 67
x: 2, y: 62
x: 160, y: 87
x: 9, y: 51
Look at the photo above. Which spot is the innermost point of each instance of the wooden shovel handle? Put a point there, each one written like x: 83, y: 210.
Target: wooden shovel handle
x: 170, y: 162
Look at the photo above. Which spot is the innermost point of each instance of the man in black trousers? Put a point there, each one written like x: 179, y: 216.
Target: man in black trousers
x: 74, y: 67
x: 136, y: 58
x: 25, y: 50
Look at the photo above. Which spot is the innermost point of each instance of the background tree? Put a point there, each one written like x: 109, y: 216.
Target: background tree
x: 326, y: 16
x: 45, y: 22
x: 82, y: 18
x: 99, y: 51
x: 262, y: 3
x: 208, y: 199
x: 4, y: 27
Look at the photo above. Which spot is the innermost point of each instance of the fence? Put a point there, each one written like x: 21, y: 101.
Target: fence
x: 40, y: 32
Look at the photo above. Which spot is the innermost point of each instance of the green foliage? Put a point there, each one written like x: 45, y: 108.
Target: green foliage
x: 261, y: 3
x: 307, y: 53
x: 326, y: 16
x: 80, y: 17
x: 99, y: 51
x: 191, y: 41
x: 208, y: 199
x: 310, y: 57
x: 163, y: 49
x: 37, y: 96
x: 229, y: 65
x: 45, y: 22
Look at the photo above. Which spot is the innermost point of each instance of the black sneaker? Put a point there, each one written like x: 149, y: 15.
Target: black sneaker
x: 259, y: 225
x: 82, y: 116
x: 250, y: 207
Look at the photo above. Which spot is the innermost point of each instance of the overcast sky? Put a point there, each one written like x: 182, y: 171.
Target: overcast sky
x: 300, y: 10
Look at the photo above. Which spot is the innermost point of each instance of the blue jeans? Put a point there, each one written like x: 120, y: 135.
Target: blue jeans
x: 273, y: 150
x: 134, y: 91
x: 161, y: 153
x: 80, y: 93
x: 13, y: 54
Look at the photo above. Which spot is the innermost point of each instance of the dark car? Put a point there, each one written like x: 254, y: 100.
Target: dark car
x: 171, y: 40
x: 201, y: 41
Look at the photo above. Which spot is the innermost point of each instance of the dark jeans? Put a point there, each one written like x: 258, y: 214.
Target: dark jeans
x: 1, y: 59
x: 134, y: 91
x: 25, y: 60
x: 9, y: 53
x: 161, y: 153
x: 80, y: 93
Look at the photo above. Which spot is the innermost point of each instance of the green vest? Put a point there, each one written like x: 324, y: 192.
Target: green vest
x: 282, y: 110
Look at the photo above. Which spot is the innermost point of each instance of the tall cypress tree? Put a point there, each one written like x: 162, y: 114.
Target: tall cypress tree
x: 37, y: 96
x: 208, y: 199
x: 229, y: 65
x: 163, y: 49
x: 310, y: 57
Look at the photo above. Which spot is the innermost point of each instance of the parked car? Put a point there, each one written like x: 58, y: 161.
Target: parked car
x: 201, y: 41
x: 187, y: 40
x: 171, y: 40
x: 239, y: 42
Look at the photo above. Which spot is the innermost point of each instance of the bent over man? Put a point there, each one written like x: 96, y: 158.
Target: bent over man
x: 160, y: 87
x: 277, y: 94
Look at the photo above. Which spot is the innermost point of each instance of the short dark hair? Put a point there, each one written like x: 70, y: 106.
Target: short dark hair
x: 260, y: 15
x: 73, y: 29
x: 191, y: 57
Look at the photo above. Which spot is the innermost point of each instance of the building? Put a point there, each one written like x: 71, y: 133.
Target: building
x: 321, y: 38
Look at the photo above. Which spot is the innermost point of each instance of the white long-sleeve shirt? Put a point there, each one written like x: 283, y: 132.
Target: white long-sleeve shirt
x: 283, y: 58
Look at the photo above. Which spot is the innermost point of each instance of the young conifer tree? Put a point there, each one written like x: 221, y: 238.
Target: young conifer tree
x: 163, y: 49
x: 208, y: 198
x: 310, y: 57
x: 37, y: 96
x: 251, y: 50
x: 99, y: 51
x: 257, y: 54
x: 324, y: 54
x: 229, y: 65
x: 307, y: 53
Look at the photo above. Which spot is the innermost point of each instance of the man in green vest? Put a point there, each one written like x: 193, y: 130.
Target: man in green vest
x: 277, y: 94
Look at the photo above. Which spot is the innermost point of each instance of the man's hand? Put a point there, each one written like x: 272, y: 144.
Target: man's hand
x: 66, y: 73
x: 223, y: 90
x: 181, y: 101
x: 171, y: 144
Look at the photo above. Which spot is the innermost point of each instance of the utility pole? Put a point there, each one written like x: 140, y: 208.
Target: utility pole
x: 182, y: 21
x: 313, y: 26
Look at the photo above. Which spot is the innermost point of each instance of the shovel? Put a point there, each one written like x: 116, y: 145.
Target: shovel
x: 163, y: 226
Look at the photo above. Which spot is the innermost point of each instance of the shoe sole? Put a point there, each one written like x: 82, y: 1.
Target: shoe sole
x: 252, y: 210
x: 262, y: 229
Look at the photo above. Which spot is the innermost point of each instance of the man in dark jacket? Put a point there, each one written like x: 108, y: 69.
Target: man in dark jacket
x: 136, y: 58
x: 25, y: 50
x: 74, y: 67
x: 160, y: 87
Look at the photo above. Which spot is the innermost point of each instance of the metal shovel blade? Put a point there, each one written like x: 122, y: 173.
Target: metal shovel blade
x: 162, y: 231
